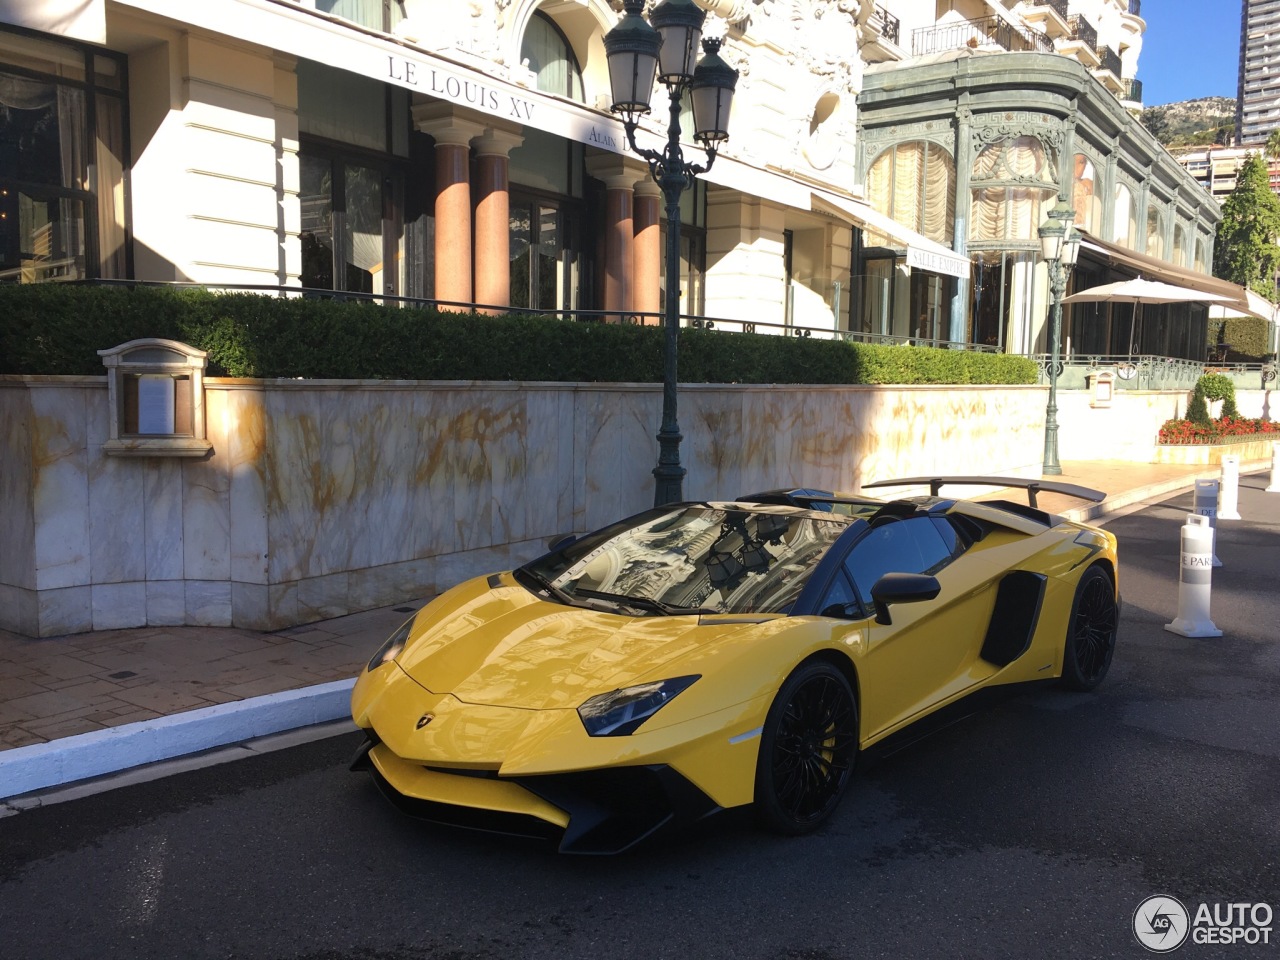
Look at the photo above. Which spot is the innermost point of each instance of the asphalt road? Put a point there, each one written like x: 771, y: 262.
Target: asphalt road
x: 1033, y: 829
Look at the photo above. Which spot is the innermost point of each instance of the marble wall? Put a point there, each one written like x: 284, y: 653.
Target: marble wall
x: 321, y: 498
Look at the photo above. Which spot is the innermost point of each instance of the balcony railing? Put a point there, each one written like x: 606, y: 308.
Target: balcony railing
x: 1058, y: 5
x: 1082, y: 31
x: 1133, y: 90
x: 889, y: 26
x: 1110, y: 61
x: 976, y: 33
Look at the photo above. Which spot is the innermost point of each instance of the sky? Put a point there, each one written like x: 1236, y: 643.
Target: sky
x: 1191, y: 49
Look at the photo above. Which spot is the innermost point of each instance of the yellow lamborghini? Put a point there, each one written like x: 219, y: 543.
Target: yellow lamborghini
x: 701, y: 656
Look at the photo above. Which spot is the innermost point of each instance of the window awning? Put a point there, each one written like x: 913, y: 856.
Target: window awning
x: 922, y: 252
x: 1239, y: 299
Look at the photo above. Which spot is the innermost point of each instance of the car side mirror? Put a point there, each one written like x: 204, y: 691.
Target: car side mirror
x: 559, y: 541
x: 902, y: 588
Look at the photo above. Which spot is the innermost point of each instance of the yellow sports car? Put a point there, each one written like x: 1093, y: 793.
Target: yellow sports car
x: 701, y: 656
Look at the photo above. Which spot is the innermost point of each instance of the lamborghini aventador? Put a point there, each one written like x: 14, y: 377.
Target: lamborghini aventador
x: 701, y: 656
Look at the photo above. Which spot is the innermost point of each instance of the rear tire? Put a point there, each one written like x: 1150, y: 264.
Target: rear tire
x: 1091, y: 631
x: 807, y: 750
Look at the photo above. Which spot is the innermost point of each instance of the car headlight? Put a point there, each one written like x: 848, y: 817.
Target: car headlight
x: 620, y: 712
x: 395, y: 643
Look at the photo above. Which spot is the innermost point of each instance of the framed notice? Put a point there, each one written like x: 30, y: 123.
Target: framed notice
x: 155, y: 403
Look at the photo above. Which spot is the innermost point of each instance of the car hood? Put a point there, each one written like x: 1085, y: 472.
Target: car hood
x: 506, y: 647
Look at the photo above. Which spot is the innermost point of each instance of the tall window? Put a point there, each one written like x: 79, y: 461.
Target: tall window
x: 1084, y: 194
x: 546, y: 51
x: 1155, y: 232
x: 62, y: 161
x: 915, y: 184
x: 352, y: 181
x: 375, y: 14
x: 1124, y: 229
x: 1013, y: 187
x: 1179, y: 246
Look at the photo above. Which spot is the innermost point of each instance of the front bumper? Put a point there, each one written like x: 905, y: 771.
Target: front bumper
x: 588, y: 812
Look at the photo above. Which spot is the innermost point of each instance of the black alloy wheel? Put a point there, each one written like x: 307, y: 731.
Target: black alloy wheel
x: 807, y: 749
x: 1091, y: 631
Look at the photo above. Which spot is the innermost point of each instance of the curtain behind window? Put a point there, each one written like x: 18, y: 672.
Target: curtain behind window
x: 914, y: 183
x: 109, y: 183
x: 1013, y: 206
x: 548, y: 54
x: 1155, y: 233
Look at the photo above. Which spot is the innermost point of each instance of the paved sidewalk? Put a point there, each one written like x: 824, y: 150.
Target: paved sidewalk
x: 89, y: 704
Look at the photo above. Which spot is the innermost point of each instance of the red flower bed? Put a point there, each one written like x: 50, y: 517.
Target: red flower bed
x: 1225, y: 430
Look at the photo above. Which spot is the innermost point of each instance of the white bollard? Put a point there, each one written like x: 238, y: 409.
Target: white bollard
x: 1205, y: 504
x: 1229, y: 499
x: 1274, y: 486
x: 1194, y: 576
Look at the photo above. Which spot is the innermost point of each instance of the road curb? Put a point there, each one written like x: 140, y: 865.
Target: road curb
x: 1132, y: 500
x: 70, y: 759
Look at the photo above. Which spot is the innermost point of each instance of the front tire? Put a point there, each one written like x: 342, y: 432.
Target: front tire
x: 1091, y: 631
x: 807, y: 750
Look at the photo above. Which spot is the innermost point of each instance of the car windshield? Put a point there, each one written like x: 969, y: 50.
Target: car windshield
x: 692, y: 559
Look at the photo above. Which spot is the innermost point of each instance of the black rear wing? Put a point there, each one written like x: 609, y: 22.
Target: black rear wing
x: 1033, y: 487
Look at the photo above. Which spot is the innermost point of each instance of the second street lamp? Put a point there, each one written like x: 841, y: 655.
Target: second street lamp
x: 665, y: 48
x: 1059, y: 245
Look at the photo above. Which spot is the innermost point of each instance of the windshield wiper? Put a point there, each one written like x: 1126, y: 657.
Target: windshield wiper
x: 647, y: 603
x: 568, y: 599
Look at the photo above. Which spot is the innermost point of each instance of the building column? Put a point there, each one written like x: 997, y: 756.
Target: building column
x: 1144, y: 200
x: 493, y: 216
x: 453, y: 135
x: 1109, y: 193
x: 288, y: 170
x: 647, y: 277
x: 619, y: 176
x: 963, y: 157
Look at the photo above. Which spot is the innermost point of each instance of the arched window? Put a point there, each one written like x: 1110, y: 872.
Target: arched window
x: 546, y: 51
x: 1014, y: 185
x: 1124, y: 228
x: 1155, y: 232
x: 1084, y: 194
x: 915, y: 183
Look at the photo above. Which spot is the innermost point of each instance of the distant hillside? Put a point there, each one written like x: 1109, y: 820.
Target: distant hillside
x: 1192, y: 123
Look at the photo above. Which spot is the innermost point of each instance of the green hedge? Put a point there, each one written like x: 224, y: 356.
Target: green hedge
x: 58, y: 329
x: 1246, y: 336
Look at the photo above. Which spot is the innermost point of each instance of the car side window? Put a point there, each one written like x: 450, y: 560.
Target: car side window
x: 913, y: 545
x: 840, y: 596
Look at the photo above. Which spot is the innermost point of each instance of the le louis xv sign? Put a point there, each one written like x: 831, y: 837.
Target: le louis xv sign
x: 498, y: 100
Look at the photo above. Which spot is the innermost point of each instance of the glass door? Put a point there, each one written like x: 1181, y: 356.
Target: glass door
x: 543, y: 256
x: 351, y: 238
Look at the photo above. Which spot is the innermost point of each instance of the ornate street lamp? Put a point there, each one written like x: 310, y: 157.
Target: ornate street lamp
x: 1059, y: 245
x: 666, y: 47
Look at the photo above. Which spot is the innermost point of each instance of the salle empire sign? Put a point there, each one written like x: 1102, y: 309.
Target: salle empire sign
x: 445, y: 85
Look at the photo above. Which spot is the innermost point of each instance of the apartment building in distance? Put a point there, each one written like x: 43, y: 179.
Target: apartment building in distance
x: 1258, y: 92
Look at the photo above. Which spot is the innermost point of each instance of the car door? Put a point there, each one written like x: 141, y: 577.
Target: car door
x: 929, y: 653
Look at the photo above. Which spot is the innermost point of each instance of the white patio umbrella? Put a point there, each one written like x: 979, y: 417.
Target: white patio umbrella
x: 1139, y: 291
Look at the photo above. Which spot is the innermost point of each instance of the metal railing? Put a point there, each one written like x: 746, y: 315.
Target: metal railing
x: 1059, y: 5
x: 977, y: 33
x: 1110, y: 61
x: 1082, y: 31
x: 889, y: 26
x: 1148, y: 372
x: 1133, y: 89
